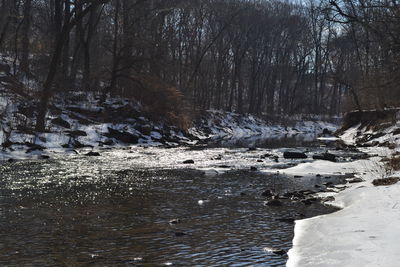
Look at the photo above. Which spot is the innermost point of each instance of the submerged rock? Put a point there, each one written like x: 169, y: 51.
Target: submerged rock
x: 326, y: 156
x: 273, y: 203
x: 92, y: 154
x: 179, y: 234
x: 294, y: 155
x: 189, y: 161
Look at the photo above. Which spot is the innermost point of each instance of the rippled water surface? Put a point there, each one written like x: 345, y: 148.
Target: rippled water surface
x: 116, y: 210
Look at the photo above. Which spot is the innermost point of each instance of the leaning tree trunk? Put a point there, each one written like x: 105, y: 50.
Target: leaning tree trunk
x: 55, y: 60
x: 46, y: 93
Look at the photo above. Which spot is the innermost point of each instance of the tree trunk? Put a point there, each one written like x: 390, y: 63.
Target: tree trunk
x: 24, y: 63
x: 59, y: 44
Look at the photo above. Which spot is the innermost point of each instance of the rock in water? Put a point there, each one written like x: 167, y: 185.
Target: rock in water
x: 178, y: 234
x: 93, y: 154
x: 267, y: 193
x: 189, y: 161
x: 325, y: 156
x: 273, y: 202
x: 174, y: 221
x: 274, y: 251
x: 294, y: 155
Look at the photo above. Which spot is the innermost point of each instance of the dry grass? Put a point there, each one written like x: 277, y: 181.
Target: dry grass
x: 160, y: 100
x: 385, y: 181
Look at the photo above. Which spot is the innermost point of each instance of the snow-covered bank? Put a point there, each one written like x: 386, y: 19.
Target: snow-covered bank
x: 365, y: 232
x: 227, y: 125
x: 79, y: 122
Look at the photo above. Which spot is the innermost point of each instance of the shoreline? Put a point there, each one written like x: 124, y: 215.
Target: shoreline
x: 365, y: 231
x: 72, y: 127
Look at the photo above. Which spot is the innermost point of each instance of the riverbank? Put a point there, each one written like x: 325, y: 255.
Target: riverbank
x: 75, y: 125
x: 365, y: 231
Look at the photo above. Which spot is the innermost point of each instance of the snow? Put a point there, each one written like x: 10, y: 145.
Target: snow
x: 217, y: 126
x: 330, y: 138
x: 365, y: 232
x: 232, y: 126
x: 322, y: 167
x: 349, y: 136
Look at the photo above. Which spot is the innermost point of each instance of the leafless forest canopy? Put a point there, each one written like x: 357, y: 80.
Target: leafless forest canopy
x: 265, y: 57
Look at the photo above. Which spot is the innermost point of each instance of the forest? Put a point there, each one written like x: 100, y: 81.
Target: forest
x: 200, y: 133
x: 176, y: 57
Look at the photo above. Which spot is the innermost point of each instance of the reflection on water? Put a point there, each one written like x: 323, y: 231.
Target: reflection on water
x: 104, y: 211
x: 279, y: 141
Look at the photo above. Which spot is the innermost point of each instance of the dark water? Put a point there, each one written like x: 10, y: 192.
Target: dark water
x: 283, y: 141
x: 103, y: 211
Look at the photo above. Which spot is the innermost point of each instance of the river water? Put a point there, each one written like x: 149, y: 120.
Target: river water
x: 144, y: 207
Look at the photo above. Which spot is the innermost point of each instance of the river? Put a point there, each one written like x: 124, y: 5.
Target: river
x: 145, y: 207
